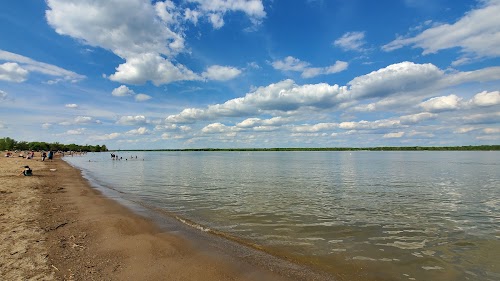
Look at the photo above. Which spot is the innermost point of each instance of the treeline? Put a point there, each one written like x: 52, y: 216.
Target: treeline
x: 11, y: 144
x: 385, y: 148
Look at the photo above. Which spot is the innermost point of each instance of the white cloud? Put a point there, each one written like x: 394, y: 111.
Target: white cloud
x: 71, y: 105
x: 370, y: 125
x: 105, y: 137
x: 351, y: 41
x: 290, y: 64
x: 477, y: 34
x: 337, y: 67
x: 216, y: 20
x: 84, y: 120
x: 132, y: 120
x: 122, y: 91
x: 150, y: 39
x: 257, y: 122
x: 482, y: 118
x: 12, y: 72
x: 402, y: 84
x: 486, y: 98
x: 47, y: 126
x: 192, y: 15
x: 18, y: 68
x: 81, y: 120
x: 221, y: 73
x: 444, y: 103
x: 416, y: 118
x: 139, y: 131
x: 151, y: 67
x: 108, y: 24
x: 282, y: 96
x: 294, y: 64
x: 142, y: 97
x: 167, y: 11
x: 491, y: 130
x: 216, y: 128
x: 215, y: 9
x: 76, y: 132
x: 394, y: 135
x: 464, y: 130
x: 395, y: 78
x: 314, y: 128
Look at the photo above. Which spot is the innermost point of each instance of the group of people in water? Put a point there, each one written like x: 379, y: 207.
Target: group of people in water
x: 116, y: 157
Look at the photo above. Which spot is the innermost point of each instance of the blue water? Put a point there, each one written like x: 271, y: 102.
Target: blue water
x: 392, y: 215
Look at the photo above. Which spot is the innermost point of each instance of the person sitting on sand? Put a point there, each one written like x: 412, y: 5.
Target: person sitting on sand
x: 26, y: 171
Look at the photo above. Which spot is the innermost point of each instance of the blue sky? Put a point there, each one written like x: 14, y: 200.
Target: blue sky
x: 136, y: 74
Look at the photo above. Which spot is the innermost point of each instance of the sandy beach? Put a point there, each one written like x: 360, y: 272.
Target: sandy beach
x: 55, y: 226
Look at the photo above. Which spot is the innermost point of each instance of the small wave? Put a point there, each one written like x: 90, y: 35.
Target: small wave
x: 192, y: 224
x: 432, y: 268
x: 335, y: 241
x: 406, y: 245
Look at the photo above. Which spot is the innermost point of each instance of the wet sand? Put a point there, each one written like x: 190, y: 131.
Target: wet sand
x: 55, y: 226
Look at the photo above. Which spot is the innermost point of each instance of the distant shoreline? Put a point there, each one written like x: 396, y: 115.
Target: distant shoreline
x: 382, y: 148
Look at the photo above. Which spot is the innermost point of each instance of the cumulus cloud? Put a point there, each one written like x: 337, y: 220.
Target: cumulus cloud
x: 464, y: 130
x: 71, y: 105
x: 370, y: 125
x: 283, y: 96
x: 444, y: 103
x: 395, y: 78
x: 314, y: 128
x: 351, y: 41
x: 416, y: 118
x: 394, y: 135
x: 215, y: 10
x: 12, y: 72
x: 477, y: 34
x: 122, y: 91
x: 290, y: 64
x: 76, y: 132
x: 257, y: 122
x: 491, y: 130
x: 486, y: 99
x: 18, y: 67
x: 152, y: 67
x: 293, y: 64
x: 81, y: 120
x: 109, y: 25
x: 399, y: 84
x: 482, y: 118
x: 142, y: 97
x: 221, y: 73
x: 147, y: 36
x: 105, y: 137
x: 139, y: 131
x: 132, y: 120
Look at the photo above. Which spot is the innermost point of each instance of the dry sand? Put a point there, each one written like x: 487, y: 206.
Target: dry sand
x: 55, y: 226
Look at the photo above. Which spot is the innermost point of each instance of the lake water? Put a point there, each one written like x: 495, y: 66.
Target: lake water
x: 366, y: 215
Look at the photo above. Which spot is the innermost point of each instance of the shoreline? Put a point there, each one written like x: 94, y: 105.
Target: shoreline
x: 65, y: 229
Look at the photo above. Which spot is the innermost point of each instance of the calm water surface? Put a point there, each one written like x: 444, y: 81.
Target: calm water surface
x: 388, y: 215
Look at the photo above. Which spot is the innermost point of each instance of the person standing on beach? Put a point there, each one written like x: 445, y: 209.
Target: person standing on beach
x: 51, y: 155
x: 44, y: 155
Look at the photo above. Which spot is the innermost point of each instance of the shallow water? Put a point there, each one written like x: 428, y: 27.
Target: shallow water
x: 390, y: 215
